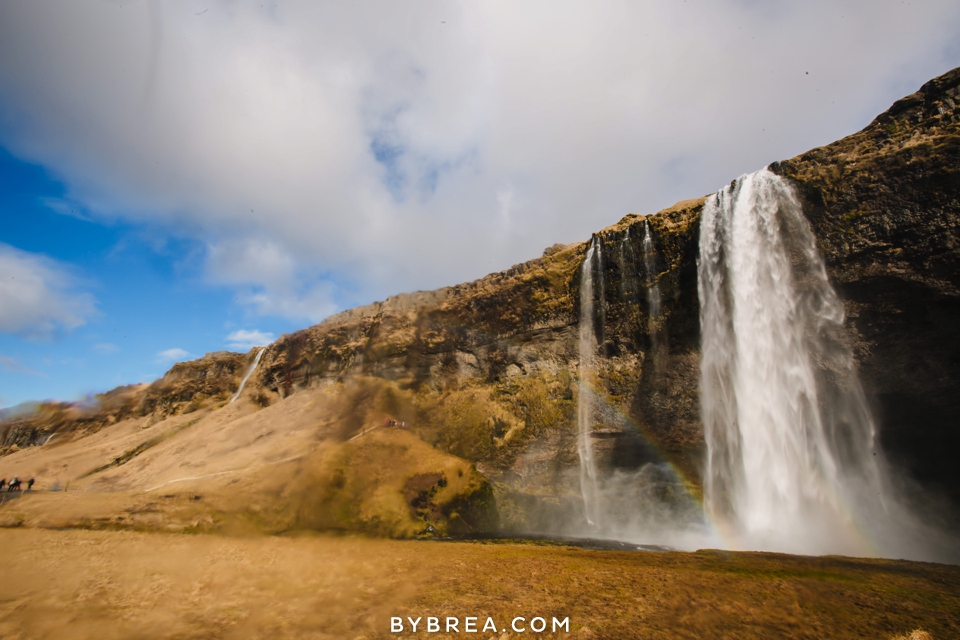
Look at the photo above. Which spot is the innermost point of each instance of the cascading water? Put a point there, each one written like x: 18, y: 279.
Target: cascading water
x: 653, y: 286
x: 792, y: 463
x: 646, y: 504
x: 654, y: 321
x: 625, y: 279
x: 585, y: 402
x: 253, y: 368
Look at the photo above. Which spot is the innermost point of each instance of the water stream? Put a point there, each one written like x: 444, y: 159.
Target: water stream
x: 792, y: 459
x: 253, y: 368
x: 585, y: 402
x: 655, y: 315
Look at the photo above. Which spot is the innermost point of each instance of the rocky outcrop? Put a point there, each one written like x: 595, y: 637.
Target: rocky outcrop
x: 186, y: 387
x: 884, y: 204
x: 487, y: 371
x: 389, y: 482
x: 65, y: 419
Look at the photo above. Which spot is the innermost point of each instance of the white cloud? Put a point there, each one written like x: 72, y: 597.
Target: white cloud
x: 105, y: 348
x: 328, y: 153
x: 65, y: 208
x: 38, y: 296
x: 244, y: 340
x: 173, y: 355
x: 11, y: 365
x: 268, y: 280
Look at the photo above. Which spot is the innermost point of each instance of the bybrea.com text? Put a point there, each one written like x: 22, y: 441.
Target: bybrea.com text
x: 471, y: 624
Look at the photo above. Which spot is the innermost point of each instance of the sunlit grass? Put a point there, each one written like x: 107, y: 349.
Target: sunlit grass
x: 121, y: 584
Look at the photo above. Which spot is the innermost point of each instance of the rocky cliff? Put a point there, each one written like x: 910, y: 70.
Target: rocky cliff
x: 186, y: 387
x: 487, y: 371
x: 884, y: 204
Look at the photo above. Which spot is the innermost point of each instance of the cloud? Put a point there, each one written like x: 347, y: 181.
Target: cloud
x: 65, y: 208
x: 244, y: 340
x: 330, y: 153
x: 38, y: 296
x: 11, y: 365
x: 173, y: 355
x: 105, y: 348
x: 268, y: 280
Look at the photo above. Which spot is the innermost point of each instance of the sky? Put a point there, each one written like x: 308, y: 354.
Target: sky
x: 185, y: 177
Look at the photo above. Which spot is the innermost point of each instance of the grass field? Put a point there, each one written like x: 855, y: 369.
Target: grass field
x: 123, y: 584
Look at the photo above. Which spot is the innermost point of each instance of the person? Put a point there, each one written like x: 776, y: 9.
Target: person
x: 14, y: 485
x: 30, y: 484
x: 3, y: 481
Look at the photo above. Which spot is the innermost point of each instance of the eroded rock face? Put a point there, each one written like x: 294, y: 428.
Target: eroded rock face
x: 884, y: 204
x: 188, y: 384
x: 488, y: 370
x: 514, y: 336
x: 186, y: 387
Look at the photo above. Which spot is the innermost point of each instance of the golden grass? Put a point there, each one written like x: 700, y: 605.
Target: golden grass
x: 916, y: 634
x: 109, y: 584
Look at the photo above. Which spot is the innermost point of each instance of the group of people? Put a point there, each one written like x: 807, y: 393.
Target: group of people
x: 387, y: 422
x: 15, y: 484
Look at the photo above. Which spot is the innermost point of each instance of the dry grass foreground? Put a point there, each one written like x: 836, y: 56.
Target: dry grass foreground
x: 124, y: 584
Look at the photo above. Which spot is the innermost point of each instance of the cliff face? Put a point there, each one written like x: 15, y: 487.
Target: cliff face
x: 188, y: 386
x: 488, y: 370
x: 884, y: 204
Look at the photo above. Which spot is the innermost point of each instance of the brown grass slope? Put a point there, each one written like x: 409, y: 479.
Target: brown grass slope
x: 486, y: 371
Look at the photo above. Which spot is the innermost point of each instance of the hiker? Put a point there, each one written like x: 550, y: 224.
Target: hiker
x: 3, y: 481
x: 30, y: 484
x: 14, y: 485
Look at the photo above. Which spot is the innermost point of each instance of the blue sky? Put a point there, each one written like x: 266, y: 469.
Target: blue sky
x: 172, y: 174
x: 146, y: 297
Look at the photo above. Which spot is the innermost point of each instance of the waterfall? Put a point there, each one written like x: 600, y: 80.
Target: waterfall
x: 600, y: 335
x: 654, y: 323
x: 253, y: 368
x: 585, y: 401
x: 624, y: 273
x: 792, y: 463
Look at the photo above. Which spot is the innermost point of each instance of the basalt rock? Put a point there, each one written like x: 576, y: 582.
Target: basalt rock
x: 487, y: 370
x: 186, y: 387
x: 885, y: 205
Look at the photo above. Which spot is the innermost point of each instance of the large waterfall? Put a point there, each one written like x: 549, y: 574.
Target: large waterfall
x: 792, y: 463
x: 585, y: 401
x: 793, y: 460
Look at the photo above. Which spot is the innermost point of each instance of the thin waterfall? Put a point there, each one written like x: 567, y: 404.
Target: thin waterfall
x: 792, y: 460
x: 654, y: 321
x: 624, y: 278
x: 253, y: 368
x: 585, y: 401
x: 600, y: 335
